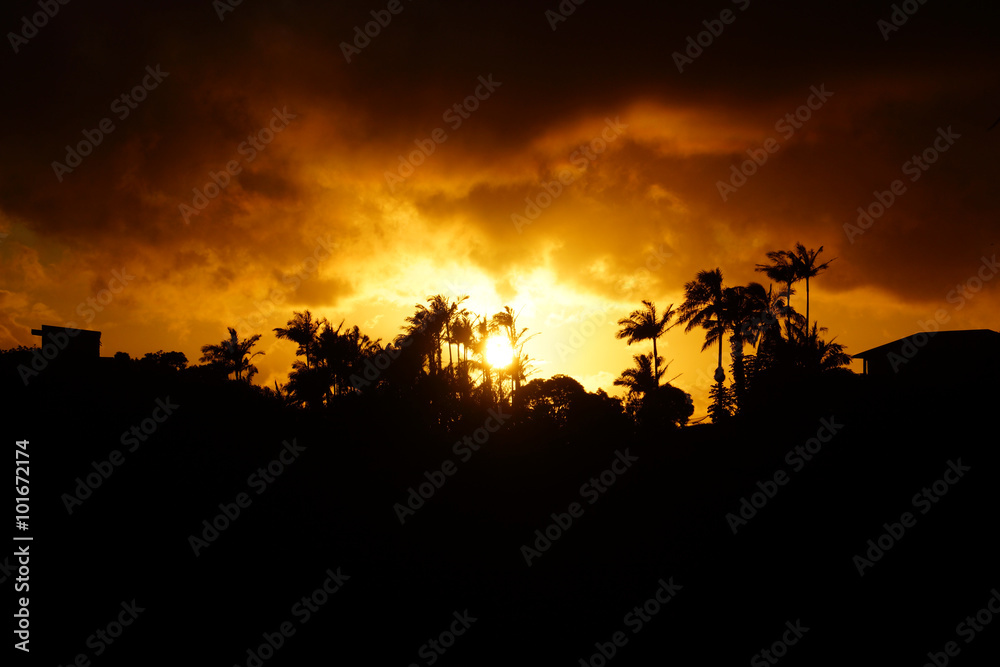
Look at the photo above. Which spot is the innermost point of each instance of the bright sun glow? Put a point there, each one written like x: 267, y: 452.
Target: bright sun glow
x: 498, y: 352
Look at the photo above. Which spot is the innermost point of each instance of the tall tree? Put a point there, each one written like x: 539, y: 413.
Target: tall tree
x: 233, y: 355
x: 642, y: 378
x: 422, y: 334
x: 643, y: 325
x: 805, y: 267
x: 343, y: 353
x: 807, y: 351
x: 506, y: 322
x: 462, y: 333
x: 302, y: 329
x: 447, y: 312
x: 483, y: 329
x: 746, y: 312
x: 781, y: 270
x: 704, y: 306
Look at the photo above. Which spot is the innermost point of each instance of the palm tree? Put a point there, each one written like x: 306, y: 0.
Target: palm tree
x: 704, y: 306
x: 506, y: 321
x: 521, y: 368
x: 343, y: 355
x: 745, y: 311
x: 781, y: 270
x: 641, y: 378
x: 447, y: 311
x: 308, y: 386
x: 770, y: 326
x: 422, y: 333
x: 813, y: 354
x: 645, y: 325
x: 805, y: 267
x: 233, y: 355
x: 483, y: 329
x: 302, y: 329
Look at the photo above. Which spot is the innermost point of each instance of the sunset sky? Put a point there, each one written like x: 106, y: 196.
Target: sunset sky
x: 354, y: 187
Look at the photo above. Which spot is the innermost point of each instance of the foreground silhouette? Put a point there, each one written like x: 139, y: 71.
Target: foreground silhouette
x: 388, y: 494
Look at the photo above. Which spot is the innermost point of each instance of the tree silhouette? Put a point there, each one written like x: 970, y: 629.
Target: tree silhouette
x: 303, y: 330
x: 666, y: 408
x: 550, y: 400
x: 807, y: 351
x: 641, y: 378
x: 233, y: 355
x: 645, y: 325
x: 343, y: 355
x: 805, y: 267
x: 506, y: 322
x: 781, y: 270
x: 160, y: 360
x: 704, y: 307
x: 722, y: 405
x: 308, y: 386
x: 422, y: 334
x: 483, y: 329
x: 462, y: 332
x: 446, y: 312
x: 746, y: 310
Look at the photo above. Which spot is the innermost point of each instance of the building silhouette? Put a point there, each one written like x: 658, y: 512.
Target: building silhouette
x: 936, y: 356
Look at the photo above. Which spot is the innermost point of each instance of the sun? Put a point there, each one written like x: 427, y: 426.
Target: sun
x: 499, y: 353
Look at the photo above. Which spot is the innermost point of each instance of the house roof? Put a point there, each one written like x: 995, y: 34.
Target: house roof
x: 957, y: 339
x: 49, y: 327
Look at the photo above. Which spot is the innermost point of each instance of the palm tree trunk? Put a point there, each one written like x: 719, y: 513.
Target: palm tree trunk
x: 788, y: 306
x: 719, y: 373
x: 656, y: 374
x: 807, y: 304
x: 447, y: 332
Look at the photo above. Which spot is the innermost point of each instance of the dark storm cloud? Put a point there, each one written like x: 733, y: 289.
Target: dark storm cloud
x: 325, y: 171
